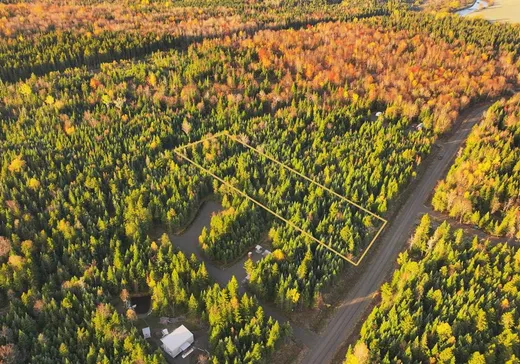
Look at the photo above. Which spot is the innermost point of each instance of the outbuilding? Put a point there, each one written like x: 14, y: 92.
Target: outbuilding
x: 177, y: 341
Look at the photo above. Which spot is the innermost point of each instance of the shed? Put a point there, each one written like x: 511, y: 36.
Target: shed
x: 266, y: 253
x: 177, y: 341
x: 146, y: 333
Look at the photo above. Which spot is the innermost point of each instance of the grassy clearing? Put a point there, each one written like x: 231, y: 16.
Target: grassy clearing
x: 501, y: 11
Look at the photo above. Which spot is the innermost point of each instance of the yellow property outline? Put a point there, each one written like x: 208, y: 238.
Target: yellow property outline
x: 227, y: 184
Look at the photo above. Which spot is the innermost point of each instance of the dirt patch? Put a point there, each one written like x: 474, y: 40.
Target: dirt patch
x: 287, y: 353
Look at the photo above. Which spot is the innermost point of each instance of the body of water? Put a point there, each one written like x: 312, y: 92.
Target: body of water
x: 478, y: 5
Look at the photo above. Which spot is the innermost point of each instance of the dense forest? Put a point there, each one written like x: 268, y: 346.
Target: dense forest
x: 71, y: 325
x: 102, y: 185
x: 483, y: 186
x: 238, y: 328
x: 492, y: 37
x: 231, y: 232
x: 48, y: 37
x: 94, y: 332
x: 87, y: 171
x: 441, y: 5
x: 453, y: 299
x: 317, y: 211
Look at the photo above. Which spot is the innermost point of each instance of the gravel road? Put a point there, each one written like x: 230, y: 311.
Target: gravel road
x: 377, y: 265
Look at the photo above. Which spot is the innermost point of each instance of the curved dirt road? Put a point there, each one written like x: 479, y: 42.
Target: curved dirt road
x: 375, y: 269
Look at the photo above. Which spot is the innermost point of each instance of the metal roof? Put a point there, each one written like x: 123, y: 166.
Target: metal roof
x: 177, y: 337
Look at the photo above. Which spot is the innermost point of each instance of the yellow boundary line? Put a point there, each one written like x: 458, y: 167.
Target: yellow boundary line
x: 303, y: 176
x: 232, y: 137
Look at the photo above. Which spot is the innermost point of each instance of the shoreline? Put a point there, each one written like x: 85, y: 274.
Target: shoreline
x: 500, y: 11
x: 473, y: 8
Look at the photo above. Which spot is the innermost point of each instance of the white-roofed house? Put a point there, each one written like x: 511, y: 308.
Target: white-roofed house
x: 177, y: 341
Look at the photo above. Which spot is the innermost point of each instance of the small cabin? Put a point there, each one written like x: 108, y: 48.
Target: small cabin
x: 146, y: 333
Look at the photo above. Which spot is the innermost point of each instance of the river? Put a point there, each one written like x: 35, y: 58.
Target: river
x: 504, y: 11
x: 478, y: 5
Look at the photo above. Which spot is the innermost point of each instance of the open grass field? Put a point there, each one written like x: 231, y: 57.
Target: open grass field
x: 500, y: 11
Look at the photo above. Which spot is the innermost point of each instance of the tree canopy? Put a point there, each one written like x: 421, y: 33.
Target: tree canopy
x: 483, y: 185
x: 453, y: 299
x: 90, y: 114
